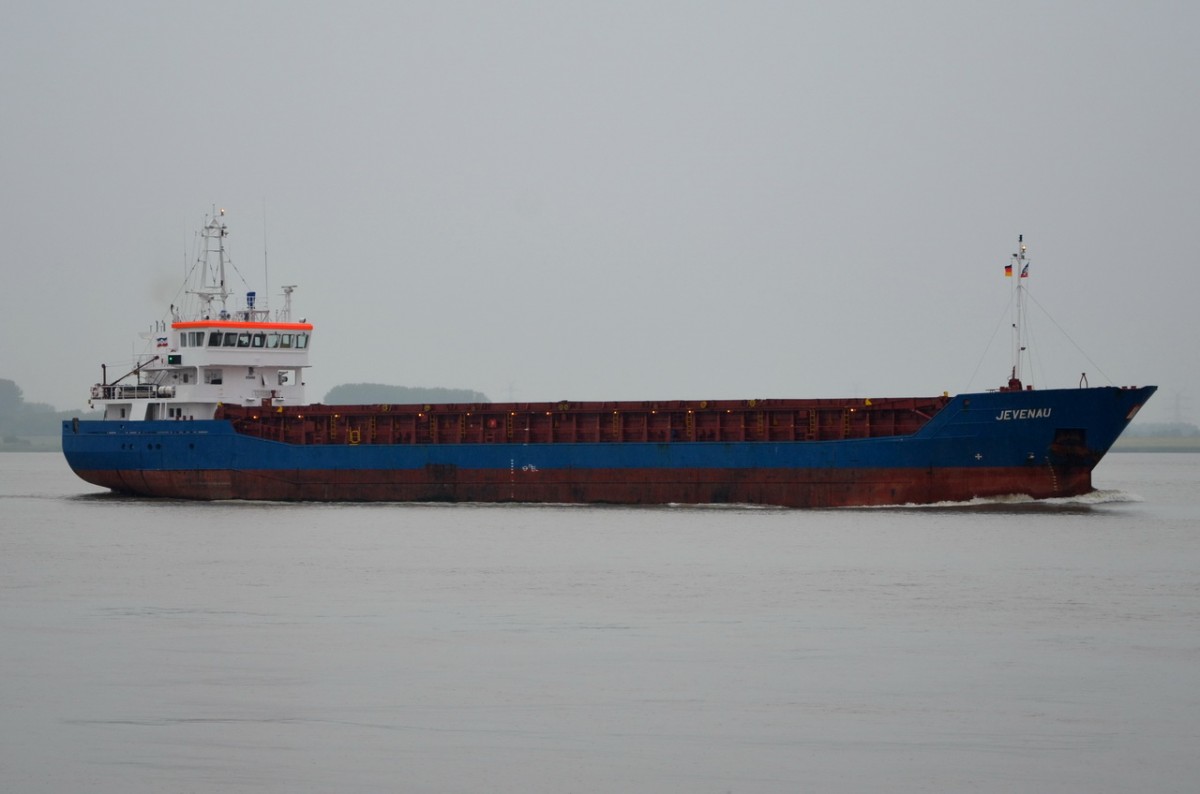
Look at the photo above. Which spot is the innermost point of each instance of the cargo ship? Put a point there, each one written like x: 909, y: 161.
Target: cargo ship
x: 215, y: 409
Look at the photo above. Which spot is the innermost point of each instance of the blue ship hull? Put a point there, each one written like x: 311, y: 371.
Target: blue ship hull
x: 1037, y: 443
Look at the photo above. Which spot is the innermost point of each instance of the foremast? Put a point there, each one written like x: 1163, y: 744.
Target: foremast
x: 1018, y: 271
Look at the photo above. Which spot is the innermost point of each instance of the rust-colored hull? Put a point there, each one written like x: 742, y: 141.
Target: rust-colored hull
x: 840, y: 487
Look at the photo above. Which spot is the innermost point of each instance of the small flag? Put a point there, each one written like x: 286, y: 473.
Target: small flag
x: 1025, y: 271
x: 161, y: 341
x: 1008, y: 271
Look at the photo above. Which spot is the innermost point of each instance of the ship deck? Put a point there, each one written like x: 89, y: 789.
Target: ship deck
x: 677, y: 421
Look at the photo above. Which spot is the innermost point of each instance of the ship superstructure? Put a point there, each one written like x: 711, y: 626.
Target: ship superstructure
x: 212, y: 350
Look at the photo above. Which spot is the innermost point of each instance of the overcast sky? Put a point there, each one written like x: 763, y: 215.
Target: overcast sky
x: 643, y: 200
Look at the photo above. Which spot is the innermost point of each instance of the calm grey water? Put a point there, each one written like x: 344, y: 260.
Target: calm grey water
x: 170, y: 646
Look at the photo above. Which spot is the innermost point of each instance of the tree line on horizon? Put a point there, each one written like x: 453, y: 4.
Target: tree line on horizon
x: 383, y: 394
x: 20, y: 418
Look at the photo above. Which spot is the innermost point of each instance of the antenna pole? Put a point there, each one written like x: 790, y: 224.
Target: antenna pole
x: 1019, y: 273
x: 266, y: 272
x: 221, y: 232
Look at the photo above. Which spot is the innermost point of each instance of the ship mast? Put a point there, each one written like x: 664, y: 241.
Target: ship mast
x: 1018, y: 271
x: 212, y: 284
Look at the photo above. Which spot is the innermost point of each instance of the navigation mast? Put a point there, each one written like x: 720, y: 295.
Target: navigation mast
x: 212, y: 284
x: 1018, y: 271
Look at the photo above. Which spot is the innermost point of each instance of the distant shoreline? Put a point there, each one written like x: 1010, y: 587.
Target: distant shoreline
x: 34, y: 444
x: 1156, y: 444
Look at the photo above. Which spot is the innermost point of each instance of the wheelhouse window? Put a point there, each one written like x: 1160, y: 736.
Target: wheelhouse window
x: 257, y: 340
x: 243, y: 339
x: 272, y: 340
x: 301, y: 341
x: 214, y: 339
x: 285, y: 340
x: 230, y: 339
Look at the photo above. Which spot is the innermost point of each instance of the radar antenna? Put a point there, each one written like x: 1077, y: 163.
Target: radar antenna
x: 285, y: 315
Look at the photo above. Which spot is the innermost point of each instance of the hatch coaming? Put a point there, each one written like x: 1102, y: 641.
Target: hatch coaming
x: 722, y: 421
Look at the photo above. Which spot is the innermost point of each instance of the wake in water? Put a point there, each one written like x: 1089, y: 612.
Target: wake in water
x: 1023, y: 503
x: 1009, y: 502
x: 1099, y: 497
